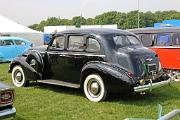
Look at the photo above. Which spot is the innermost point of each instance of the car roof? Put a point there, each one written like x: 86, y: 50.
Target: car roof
x: 15, y: 38
x: 97, y: 31
x: 155, y: 30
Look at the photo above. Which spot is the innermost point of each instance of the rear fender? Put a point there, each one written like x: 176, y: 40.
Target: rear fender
x: 1, y: 57
x: 111, y: 71
x: 30, y: 72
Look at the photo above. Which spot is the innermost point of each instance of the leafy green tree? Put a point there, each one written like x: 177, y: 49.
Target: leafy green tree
x: 90, y: 21
x: 78, y: 21
x: 123, y: 20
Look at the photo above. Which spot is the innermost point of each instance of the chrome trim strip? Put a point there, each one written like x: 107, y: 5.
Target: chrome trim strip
x: 151, y: 86
x: 8, y: 113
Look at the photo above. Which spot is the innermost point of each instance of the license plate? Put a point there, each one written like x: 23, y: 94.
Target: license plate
x: 151, y: 67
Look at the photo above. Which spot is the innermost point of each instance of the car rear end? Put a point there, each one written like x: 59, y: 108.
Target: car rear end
x: 6, y: 102
x: 149, y: 74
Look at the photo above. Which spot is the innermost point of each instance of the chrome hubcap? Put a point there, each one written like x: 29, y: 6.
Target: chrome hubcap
x: 33, y: 62
x: 18, y: 77
x: 94, y: 88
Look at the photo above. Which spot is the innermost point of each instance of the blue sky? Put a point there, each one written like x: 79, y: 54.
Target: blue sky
x: 28, y: 12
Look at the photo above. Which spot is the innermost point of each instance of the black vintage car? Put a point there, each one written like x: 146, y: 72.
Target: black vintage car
x: 6, y: 101
x: 100, y: 61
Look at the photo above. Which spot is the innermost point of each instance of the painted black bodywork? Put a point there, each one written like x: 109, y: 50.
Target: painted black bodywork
x: 121, y: 67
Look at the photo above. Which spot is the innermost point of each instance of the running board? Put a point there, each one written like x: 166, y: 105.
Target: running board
x: 57, y: 82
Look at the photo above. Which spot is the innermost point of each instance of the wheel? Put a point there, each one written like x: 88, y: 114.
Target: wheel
x: 94, y: 88
x: 18, y: 77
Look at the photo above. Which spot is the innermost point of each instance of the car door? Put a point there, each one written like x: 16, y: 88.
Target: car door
x: 56, y: 52
x: 21, y: 46
x: 80, y: 49
x: 8, y: 50
x: 67, y: 57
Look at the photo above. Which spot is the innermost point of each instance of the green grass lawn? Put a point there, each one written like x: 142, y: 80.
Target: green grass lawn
x: 48, y: 102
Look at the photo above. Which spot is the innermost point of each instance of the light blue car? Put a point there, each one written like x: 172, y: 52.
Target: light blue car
x: 11, y: 47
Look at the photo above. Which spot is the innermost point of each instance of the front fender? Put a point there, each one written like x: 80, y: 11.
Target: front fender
x: 30, y: 72
x: 111, y: 70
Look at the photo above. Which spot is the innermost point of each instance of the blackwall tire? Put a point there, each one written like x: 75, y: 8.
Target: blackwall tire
x: 18, y: 77
x: 94, y: 88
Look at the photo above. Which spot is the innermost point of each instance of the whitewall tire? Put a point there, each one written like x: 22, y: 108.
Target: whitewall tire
x: 18, y: 77
x: 94, y: 88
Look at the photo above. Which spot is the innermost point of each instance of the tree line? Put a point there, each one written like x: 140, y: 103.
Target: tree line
x: 123, y: 20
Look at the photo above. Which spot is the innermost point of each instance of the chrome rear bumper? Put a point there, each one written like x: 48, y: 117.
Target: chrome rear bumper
x: 151, y: 86
x: 8, y: 113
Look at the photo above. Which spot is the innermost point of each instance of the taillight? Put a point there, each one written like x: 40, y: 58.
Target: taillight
x: 130, y: 74
x: 6, y: 97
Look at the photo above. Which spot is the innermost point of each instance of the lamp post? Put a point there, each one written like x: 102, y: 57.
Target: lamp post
x: 138, y: 14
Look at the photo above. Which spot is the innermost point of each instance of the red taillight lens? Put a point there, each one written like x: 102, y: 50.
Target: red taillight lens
x: 6, y: 97
x: 130, y: 74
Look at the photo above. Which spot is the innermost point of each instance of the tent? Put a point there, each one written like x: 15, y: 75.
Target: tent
x: 11, y: 28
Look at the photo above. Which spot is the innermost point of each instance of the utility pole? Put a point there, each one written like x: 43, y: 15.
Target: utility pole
x: 80, y: 19
x: 138, y: 15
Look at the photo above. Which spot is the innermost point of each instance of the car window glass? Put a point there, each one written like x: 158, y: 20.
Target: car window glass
x: 132, y: 40
x: 1, y: 42
x: 8, y: 42
x: 93, y: 45
x: 163, y: 40
x: 176, y: 39
x: 20, y: 42
x: 76, y: 43
x: 59, y: 42
x: 120, y: 40
x: 147, y: 39
x: 124, y: 40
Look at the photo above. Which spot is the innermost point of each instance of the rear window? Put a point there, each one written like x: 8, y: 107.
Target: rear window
x: 125, y: 40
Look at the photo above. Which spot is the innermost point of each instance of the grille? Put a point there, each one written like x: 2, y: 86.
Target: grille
x: 151, y: 67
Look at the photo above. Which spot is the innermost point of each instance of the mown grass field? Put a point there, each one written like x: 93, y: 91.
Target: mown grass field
x: 48, y: 102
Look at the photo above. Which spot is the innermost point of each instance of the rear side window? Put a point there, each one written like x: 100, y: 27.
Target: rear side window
x: 8, y: 42
x: 93, y: 45
x: 20, y: 42
x: 176, y: 39
x: 163, y: 40
x: 76, y: 43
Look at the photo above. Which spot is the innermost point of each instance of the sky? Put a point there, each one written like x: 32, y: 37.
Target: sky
x: 28, y: 12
